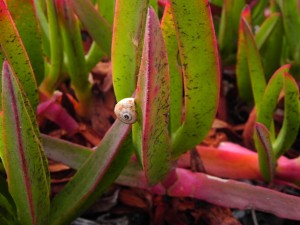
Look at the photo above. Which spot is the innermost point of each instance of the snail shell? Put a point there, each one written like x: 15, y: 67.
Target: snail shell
x: 125, y: 110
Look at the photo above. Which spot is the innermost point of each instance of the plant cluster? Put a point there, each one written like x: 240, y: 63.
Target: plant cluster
x: 166, y: 58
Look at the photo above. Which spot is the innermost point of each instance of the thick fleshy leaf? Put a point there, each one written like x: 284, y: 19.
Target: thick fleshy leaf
x: 258, y: 10
x: 176, y: 85
x: 264, y: 148
x: 229, y: 160
x: 14, y: 51
x: 127, y: 43
x: 291, y: 22
x: 270, y: 97
x: 23, y: 156
x: 228, y: 30
x: 151, y: 135
x: 201, y: 72
x: 271, y: 50
x: 242, y: 70
x: 40, y: 8
x: 256, y: 72
x: 96, y: 25
x: 217, y: 2
x: 94, y: 177
x: 265, y: 30
x: 291, y: 121
x: 68, y: 153
x: 55, y: 112
x: 74, y: 53
x: 234, y: 194
x: 222, y: 192
x: 106, y: 9
x: 53, y: 77
x: 23, y: 14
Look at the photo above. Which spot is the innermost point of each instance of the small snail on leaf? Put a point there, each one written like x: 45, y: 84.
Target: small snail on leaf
x: 125, y: 111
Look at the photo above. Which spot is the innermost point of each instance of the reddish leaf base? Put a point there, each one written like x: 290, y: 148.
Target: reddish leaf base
x: 137, y: 206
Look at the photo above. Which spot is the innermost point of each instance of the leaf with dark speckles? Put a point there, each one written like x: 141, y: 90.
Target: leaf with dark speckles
x: 152, y: 102
x: 270, y: 99
x: 176, y: 81
x: 23, y: 14
x: 291, y: 121
x: 23, y: 156
x: 14, y: 51
x: 201, y: 71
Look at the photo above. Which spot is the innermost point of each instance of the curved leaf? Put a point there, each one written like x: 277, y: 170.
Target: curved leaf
x: 270, y: 97
x: 201, y: 72
x: 264, y: 148
x: 291, y: 121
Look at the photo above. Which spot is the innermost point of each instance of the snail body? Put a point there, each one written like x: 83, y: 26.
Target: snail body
x: 125, y: 111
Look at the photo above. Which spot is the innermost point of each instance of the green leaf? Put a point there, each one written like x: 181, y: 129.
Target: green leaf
x: 258, y: 12
x: 23, y: 156
x: 52, y: 79
x: 151, y: 136
x: 106, y: 9
x: 217, y: 2
x: 264, y: 148
x: 242, y: 70
x: 266, y: 29
x: 129, y: 23
x: 14, y: 51
x: 271, y: 50
x: 96, y: 25
x: 291, y: 121
x: 23, y: 14
x: 200, y: 65
x: 74, y: 53
x: 176, y: 83
x: 270, y: 97
x: 94, y: 177
x: 65, y: 152
x: 40, y: 8
x: 7, y: 212
x: 256, y: 72
x: 94, y: 56
x: 291, y: 22
x: 229, y: 24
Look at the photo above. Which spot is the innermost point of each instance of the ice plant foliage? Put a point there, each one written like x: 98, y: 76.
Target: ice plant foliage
x: 166, y: 68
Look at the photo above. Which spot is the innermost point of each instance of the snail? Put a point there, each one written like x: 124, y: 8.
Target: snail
x: 125, y: 111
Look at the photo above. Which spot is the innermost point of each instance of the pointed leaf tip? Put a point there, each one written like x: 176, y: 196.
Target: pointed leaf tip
x: 152, y: 99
